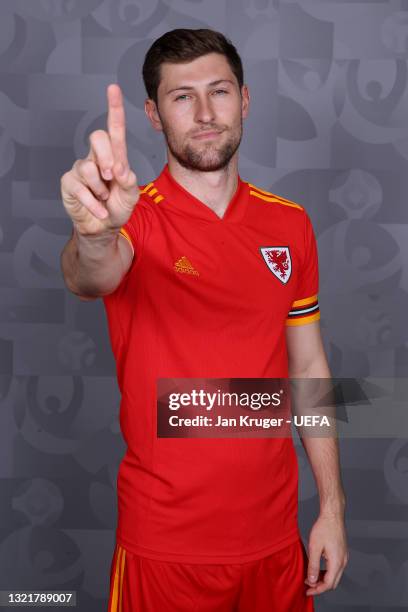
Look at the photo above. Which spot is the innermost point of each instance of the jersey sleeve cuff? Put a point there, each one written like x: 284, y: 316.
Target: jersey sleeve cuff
x: 304, y: 311
x: 127, y: 236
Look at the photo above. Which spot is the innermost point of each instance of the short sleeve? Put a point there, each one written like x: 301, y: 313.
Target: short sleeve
x: 137, y: 227
x: 305, y: 308
x: 125, y: 231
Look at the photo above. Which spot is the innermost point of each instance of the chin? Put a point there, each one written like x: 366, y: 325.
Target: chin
x: 196, y: 160
x: 208, y: 166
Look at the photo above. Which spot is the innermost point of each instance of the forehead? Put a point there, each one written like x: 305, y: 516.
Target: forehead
x: 204, y: 69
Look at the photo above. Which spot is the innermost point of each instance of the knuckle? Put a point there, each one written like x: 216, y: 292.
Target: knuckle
x: 103, y: 193
x: 131, y: 177
x: 96, y: 135
x: 77, y: 167
x: 75, y: 191
x: 99, y: 140
x: 77, y: 164
x: 80, y: 192
x: 66, y: 182
x: 87, y: 168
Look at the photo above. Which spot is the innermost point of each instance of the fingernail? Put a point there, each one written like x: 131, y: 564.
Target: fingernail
x: 312, y: 578
x: 107, y: 174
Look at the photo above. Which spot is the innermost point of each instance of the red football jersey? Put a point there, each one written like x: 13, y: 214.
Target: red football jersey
x: 207, y: 297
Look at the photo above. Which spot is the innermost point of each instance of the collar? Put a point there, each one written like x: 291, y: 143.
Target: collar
x: 170, y: 193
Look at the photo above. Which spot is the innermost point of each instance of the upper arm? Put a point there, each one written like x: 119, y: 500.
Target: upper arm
x: 303, y: 338
x: 306, y: 352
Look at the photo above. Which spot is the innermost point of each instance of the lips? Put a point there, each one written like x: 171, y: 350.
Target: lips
x: 206, y: 134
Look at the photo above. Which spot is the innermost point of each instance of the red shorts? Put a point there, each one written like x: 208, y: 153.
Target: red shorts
x: 274, y: 583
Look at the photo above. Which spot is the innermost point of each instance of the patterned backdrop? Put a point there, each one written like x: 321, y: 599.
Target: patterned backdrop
x: 327, y: 128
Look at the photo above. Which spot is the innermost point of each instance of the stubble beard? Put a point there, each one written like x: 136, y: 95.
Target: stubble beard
x: 205, y: 156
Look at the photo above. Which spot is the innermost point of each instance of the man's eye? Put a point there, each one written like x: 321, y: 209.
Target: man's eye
x: 185, y: 96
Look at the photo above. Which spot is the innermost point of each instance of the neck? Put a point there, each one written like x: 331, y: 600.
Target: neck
x: 215, y: 189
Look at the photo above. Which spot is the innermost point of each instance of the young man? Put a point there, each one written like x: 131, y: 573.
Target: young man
x: 186, y: 266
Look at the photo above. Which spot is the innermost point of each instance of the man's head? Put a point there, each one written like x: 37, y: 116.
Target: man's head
x: 194, y: 83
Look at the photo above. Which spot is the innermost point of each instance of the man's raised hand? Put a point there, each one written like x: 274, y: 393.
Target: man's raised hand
x: 100, y: 191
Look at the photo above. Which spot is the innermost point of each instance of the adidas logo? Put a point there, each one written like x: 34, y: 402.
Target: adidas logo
x: 185, y: 266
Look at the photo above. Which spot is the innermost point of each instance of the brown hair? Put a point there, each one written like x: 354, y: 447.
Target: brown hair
x: 185, y: 45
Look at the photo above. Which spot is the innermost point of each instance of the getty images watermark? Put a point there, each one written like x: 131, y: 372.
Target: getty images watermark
x: 272, y: 407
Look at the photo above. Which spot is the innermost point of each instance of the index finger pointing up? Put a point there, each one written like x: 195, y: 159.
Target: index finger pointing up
x: 117, y: 123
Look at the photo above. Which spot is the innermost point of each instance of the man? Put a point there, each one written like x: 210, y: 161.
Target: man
x: 185, y: 266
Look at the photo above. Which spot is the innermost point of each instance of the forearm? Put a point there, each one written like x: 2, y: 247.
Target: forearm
x: 323, y: 456
x: 92, y: 265
x: 323, y: 450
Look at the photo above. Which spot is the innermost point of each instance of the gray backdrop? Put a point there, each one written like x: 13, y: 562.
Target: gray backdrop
x: 327, y: 127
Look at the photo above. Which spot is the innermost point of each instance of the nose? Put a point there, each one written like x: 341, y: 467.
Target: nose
x: 204, y: 110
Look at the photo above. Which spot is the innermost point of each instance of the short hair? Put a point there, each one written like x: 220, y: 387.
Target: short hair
x: 184, y: 45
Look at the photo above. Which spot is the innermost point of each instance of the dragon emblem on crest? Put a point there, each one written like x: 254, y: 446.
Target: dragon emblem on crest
x: 278, y: 260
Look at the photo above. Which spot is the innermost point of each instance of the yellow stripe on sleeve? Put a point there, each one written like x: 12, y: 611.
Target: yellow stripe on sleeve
x: 147, y: 187
x: 268, y: 193
x: 275, y: 199
x: 151, y: 190
x: 305, y: 301
x: 128, y: 238
x: 304, y: 320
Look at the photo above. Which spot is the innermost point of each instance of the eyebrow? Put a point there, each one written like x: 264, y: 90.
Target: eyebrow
x: 189, y: 87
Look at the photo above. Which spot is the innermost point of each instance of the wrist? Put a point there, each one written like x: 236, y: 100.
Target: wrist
x: 95, y: 246
x: 99, y: 236
x: 333, y: 508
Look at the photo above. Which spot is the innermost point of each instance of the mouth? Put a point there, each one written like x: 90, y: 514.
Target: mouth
x: 205, y: 135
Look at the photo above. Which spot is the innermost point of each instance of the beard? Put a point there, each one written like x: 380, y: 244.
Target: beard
x: 205, y: 156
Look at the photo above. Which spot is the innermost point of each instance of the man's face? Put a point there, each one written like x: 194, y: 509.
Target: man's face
x: 200, y: 111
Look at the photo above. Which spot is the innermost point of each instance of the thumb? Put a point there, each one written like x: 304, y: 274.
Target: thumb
x: 127, y: 182
x: 313, y: 567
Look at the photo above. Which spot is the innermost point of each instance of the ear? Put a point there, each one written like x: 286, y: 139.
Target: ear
x: 245, y: 101
x: 153, y: 114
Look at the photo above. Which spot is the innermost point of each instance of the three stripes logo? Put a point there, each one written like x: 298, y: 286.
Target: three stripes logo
x: 185, y: 266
